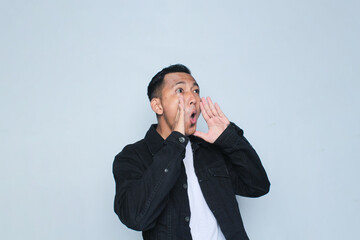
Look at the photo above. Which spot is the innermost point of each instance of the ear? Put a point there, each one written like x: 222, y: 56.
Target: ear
x: 156, y: 106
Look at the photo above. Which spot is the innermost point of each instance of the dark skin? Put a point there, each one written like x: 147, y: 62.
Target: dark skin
x: 179, y: 105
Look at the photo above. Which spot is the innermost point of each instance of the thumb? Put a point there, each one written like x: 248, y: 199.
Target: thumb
x: 181, y: 108
x: 200, y: 134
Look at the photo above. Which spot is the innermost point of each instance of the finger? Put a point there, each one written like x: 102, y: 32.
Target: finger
x: 178, y: 112
x: 211, y: 106
x: 207, y: 108
x: 181, y: 103
x: 221, y: 114
x: 217, y: 107
x: 203, y: 111
x: 180, y: 117
x: 181, y: 108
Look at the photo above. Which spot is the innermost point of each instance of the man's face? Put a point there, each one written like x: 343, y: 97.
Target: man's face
x: 175, y: 85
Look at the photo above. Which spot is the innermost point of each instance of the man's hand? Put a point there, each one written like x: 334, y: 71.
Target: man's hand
x: 216, y: 120
x: 180, y: 117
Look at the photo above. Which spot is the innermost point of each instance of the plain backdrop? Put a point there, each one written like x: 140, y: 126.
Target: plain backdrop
x: 73, y: 78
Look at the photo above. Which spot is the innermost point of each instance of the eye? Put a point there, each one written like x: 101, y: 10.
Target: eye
x: 179, y: 90
x: 197, y: 91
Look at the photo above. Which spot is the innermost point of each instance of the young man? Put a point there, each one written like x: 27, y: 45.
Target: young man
x: 178, y: 183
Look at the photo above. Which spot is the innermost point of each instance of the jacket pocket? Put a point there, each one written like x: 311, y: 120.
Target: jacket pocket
x: 221, y: 171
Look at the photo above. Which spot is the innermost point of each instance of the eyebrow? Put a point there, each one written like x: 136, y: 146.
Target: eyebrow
x: 181, y: 82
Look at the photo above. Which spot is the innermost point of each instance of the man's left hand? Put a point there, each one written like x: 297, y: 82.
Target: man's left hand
x: 216, y: 120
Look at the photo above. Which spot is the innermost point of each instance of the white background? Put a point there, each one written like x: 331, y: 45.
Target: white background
x: 73, y: 78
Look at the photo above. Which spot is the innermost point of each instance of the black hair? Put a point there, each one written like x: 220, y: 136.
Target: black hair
x: 155, y: 84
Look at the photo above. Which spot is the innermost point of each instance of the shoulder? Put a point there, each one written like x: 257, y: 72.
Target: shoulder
x: 128, y: 162
x: 130, y: 158
x: 132, y: 149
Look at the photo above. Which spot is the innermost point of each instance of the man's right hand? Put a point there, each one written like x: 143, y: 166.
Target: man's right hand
x: 179, y: 125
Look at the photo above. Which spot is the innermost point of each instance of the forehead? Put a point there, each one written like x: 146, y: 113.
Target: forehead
x: 171, y: 79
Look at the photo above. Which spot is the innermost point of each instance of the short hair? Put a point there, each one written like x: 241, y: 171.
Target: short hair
x: 156, y: 82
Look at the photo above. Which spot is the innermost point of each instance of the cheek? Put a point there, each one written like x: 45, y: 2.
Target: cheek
x: 171, y: 107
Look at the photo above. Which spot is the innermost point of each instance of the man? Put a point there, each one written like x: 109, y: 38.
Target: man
x: 180, y: 183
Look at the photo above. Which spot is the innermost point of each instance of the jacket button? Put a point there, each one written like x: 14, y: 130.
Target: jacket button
x: 166, y: 170
x: 185, y: 185
x: 187, y: 219
x: 181, y: 139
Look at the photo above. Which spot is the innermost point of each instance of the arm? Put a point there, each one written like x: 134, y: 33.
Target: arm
x: 142, y: 191
x: 141, y: 194
x: 247, y: 173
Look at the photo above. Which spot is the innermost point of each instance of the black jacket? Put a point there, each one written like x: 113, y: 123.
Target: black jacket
x: 151, y: 184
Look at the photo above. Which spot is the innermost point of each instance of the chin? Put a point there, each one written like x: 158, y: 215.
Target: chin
x: 190, y: 130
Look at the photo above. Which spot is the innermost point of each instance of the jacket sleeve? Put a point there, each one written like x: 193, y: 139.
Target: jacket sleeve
x: 245, y: 169
x: 142, y: 192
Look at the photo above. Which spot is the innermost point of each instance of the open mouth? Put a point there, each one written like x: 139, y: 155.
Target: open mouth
x: 193, y: 117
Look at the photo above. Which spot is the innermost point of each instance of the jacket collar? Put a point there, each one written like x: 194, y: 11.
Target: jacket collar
x: 196, y: 141
x: 154, y: 141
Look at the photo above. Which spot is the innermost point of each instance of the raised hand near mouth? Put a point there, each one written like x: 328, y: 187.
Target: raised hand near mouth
x: 180, y: 117
x: 216, y: 120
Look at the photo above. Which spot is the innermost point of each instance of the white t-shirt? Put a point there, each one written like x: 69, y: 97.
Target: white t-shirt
x: 203, y: 224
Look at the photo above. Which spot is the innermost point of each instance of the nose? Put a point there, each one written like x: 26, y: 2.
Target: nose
x: 192, y: 98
